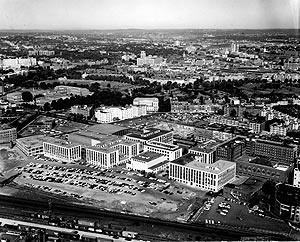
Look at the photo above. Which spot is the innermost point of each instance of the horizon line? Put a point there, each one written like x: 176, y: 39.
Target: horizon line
x: 149, y: 29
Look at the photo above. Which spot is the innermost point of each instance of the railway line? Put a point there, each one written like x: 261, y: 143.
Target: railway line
x: 89, y: 212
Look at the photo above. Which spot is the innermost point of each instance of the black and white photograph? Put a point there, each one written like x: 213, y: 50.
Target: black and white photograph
x: 149, y: 120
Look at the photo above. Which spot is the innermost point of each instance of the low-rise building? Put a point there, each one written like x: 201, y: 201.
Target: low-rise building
x: 31, y: 145
x: 148, y: 162
x: 170, y: 151
x: 262, y: 168
x: 209, y: 177
x: 242, y: 189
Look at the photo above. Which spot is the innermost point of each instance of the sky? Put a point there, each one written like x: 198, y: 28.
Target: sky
x: 149, y: 14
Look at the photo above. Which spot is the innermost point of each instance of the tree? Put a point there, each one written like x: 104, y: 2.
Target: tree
x: 27, y: 96
x: 233, y: 113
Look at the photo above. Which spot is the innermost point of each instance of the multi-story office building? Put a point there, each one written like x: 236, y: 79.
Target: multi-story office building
x: 205, y: 152
x: 102, y: 157
x: 127, y: 148
x: 32, y: 145
x: 279, y: 129
x: 170, y: 151
x: 150, y: 135
x: 61, y: 150
x: 81, y: 109
x: 151, y: 103
x: 231, y: 150
x: 277, y: 151
x: 7, y: 134
x: 210, y: 177
x: 148, y: 162
x: 111, y: 114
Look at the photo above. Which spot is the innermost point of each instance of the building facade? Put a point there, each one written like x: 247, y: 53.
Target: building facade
x: 151, y: 103
x: 7, y: 134
x: 170, y: 151
x: 102, y: 157
x: 148, y: 162
x: 61, y: 150
x: 209, y: 177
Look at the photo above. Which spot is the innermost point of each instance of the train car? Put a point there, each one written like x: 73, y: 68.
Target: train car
x: 129, y: 234
x: 87, y: 222
x: 104, y: 240
x: 11, y: 226
x: 69, y: 235
x: 89, y: 238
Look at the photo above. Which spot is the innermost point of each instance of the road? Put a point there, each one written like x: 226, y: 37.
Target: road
x: 89, y: 212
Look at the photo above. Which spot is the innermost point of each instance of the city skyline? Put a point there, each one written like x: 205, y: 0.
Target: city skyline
x: 145, y: 14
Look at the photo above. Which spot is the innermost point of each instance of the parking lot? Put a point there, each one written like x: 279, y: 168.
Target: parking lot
x: 236, y: 214
x: 115, y: 189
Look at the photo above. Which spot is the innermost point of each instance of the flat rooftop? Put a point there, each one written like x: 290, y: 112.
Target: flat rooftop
x: 5, y: 126
x: 162, y: 145
x: 60, y: 142
x: 191, y: 162
x: 33, y: 141
x: 100, y: 149
x: 148, y: 134
x: 103, y: 138
x: 247, y: 185
x: 106, y: 128
x: 206, y: 146
x: 147, y: 156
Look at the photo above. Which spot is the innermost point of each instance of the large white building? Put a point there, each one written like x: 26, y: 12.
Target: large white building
x: 279, y: 129
x: 148, y: 162
x: 170, y: 151
x: 102, y: 157
x: 61, y: 150
x: 149, y: 60
x: 209, y: 177
x: 204, y: 155
x: 151, y: 103
x: 16, y: 63
x: 127, y: 147
x: 31, y: 145
x: 111, y: 114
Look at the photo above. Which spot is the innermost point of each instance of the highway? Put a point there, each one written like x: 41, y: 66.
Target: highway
x: 79, y: 211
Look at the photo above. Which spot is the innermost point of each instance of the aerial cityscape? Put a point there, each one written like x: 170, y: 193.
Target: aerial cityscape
x: 139, y: 120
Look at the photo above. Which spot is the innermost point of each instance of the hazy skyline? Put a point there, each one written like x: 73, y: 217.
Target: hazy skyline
x: 149, y: 14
